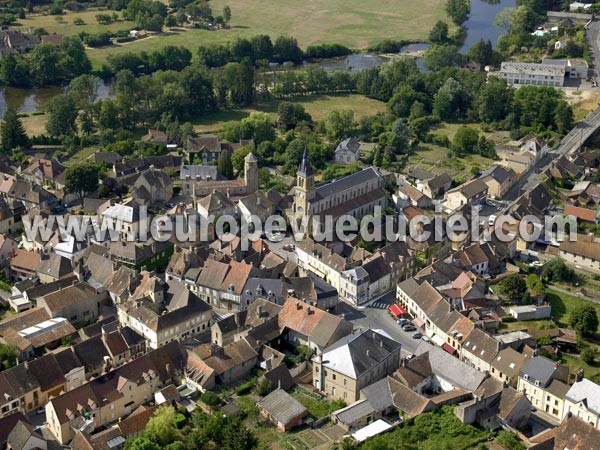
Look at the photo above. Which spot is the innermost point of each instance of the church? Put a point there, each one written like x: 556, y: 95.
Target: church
x: 356, y: 195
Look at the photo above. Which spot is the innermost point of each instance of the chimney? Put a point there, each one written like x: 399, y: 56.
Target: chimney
x: 298, y: 306
x: 381, y: 343
x: 308, y: 311
x: 368, y: 353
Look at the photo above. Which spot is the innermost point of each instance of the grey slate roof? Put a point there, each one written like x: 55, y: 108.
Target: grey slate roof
x: 539, y: 369
x: 347, y: 182
x: 282, y: 406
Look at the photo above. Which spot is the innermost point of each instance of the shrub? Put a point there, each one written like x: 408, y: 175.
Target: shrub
x: 588, y: 355
x: 179, y: 421
x: 244, y: 388
x: 210, y: 398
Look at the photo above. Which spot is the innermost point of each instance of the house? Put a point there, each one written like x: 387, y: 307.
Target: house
x: 19, y: 391
x: 519, y: 163
x: 582, y: 214
x: 163, y: 313
x: 191, y: 172
x: 47, y: 173
x: 106, y: 399
x: 575, y: 433
x: 544, y: 383
x: 124, y: 218
x: 23, y: 264
x: 9, y: 222
x: 215, y: 204
x: 24, y: 436
x: 282, y: 410
x: 255, y: 205
x: 498, y: 181
x: 206, y: 148
x: 153, y: 186
x: 53, y: 267
x: 583, y: 401
x: 435, y: 186
x: 507, y: 365
x: 230, y: 363
x: 530, y: 312
x: 477, y: 258
x: 354, y: 362
x: 249, y: 184
x: 148, y: 255
x: 8, y: 248
x: 470, y: 193
x: 347, y: 151
x: 155, y: 137
x: 326, y: 263
x: 78, y: 303
x: 584, y: 252
x: 479, y: 350
x: 233, y: 284
x: 410, y: 195
x: 302, y: 324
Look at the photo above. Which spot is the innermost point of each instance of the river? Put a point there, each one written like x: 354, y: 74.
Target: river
x: 480, y: 25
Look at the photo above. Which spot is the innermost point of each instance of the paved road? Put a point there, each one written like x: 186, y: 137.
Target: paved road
x: 376, y: 317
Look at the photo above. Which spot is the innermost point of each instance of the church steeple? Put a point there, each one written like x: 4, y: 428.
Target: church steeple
x: 305, y: 186
x: 305, y: 169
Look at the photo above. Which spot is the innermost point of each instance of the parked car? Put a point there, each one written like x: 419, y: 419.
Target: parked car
x: 402, y: 321
x: 426, y: 339
x: 417, y: 335
x: 289, y: 247
x: 410, y: 328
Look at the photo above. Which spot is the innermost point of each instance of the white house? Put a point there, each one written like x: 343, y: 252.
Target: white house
x: 347, y: 151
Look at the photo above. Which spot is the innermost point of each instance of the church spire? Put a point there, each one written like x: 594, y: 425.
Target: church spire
x: 305, y: 169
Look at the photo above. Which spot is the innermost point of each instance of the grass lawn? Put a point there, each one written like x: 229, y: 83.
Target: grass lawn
x: 34, y: 124
x: 318, y: 106
x: 81, y: 156
x: 563, y: 304
x: 317, y: 407
x: 434, y: 158
x: 354, y: 23
x: 67, y: 28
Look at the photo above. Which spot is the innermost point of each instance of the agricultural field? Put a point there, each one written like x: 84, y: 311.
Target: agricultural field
x: 357, y: 24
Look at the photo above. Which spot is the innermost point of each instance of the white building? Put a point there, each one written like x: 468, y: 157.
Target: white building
x: 532, y: 73
x: 583, y: 401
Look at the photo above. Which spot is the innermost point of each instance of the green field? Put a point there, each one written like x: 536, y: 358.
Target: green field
x: 563, y: 305
x: 66, y: 27
x: 318, y: 106
x: 354, y: 23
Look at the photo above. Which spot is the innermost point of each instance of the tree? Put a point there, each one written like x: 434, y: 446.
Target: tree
x: 238, y: 157
x: 584, y: 319
x: 588, y: 355
x: 62, y: 115
x: 482, y: 53
x: 227, y: 13
x: 225, y: 165
x: 160, y: 427
x: 465, y: 140
x: 236, y: 436
x: 264, y: 387
x: 339, y: 123
x: 439, y: 56
x: 141, y: 443
x: 210, y: 398
x: 82, y: 179
x: 535, y: 285
x: 458, y: 10
x: 514, y: 288
x: 12, y: 131
x: 439, y: 33
x: 287, y: 49
x: 556, y: 270
x: 170, y: 21
x: 8, y: 356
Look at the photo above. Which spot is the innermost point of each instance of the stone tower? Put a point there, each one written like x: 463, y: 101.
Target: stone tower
x: 251, y: 173
x: 305, y: 186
